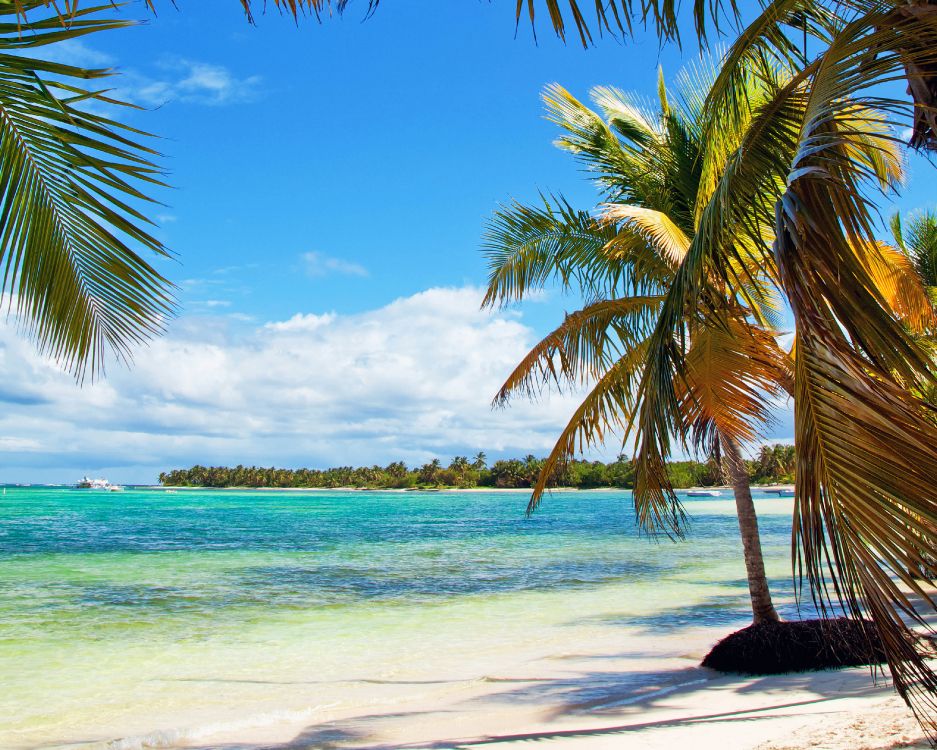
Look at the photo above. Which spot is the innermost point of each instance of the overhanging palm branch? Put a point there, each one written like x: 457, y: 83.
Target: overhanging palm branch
x: 857, y: 423
x: 580, y: 349
x: 72, y: 186
x: 605, y: 410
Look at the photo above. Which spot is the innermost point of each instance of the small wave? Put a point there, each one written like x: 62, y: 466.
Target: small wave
x: 162, y: 738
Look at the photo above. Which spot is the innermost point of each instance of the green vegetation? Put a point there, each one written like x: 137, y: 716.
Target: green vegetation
x: 774, y: 464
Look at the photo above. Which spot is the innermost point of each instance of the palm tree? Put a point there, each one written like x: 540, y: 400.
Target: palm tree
x: 72, y: 183
x: 660, y: 175
x: 648, y: 168
x: 918, y: 240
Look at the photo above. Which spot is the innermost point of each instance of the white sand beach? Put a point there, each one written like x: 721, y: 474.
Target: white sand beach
x: 652, y: 696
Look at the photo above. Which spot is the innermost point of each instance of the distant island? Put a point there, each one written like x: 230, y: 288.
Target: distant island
x: 774, y: 464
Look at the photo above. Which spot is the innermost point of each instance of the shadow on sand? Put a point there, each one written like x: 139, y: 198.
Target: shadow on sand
x: 588, y: 704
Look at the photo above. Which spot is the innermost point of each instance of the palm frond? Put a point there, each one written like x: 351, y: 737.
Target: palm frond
x: 71, y: 183
x: 865, y: 513
x: 605, y: 409
x: 729, y: 370
x: 918, y: 241
x: 528, y: 246
x: 866, y: 450
x: 582, y: 347
x: 618, y: 152
x: 655, y: 227
x: 899, y: 283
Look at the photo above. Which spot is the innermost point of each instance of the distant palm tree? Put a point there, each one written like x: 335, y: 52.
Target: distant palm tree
x: 73, y: 181
x: 917, y: 238
x: 429, y: 473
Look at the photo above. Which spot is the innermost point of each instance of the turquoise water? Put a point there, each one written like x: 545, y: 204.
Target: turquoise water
x: 156, y: 614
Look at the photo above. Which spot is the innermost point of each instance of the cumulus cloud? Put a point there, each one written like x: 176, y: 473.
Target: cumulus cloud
x: 318, y: 264
x: 411, y: 380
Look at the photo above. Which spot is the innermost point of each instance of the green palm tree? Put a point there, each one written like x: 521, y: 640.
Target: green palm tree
x: 73, y: 181
x: 649, y: 168
x: 918, y: 240
x: 678, y: 343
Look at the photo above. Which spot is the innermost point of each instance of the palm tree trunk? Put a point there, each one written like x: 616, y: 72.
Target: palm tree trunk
x: 762, y: 608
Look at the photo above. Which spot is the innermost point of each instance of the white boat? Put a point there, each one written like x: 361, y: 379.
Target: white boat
x: 98, y: 484
x: 704, y: 493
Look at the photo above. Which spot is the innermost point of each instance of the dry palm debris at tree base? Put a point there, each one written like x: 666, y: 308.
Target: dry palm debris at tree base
x: 797, y: 646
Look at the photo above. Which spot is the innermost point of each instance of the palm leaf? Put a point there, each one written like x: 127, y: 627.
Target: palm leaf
x: 866, y: 450
x: 729, y: 371
x: 605, y: 408
x: 581, y: 347
x: 528, y: 246
x: 71, y: 187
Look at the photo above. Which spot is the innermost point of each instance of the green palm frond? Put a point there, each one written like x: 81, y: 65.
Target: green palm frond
x: 72, y: 185
x: 918, y: 241
x: 529, y: 246
x: 619, y: 152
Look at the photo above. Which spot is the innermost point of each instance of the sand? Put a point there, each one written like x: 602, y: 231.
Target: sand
x: 589, y: 700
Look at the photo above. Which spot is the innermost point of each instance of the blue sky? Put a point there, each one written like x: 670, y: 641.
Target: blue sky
x: 330, y: 187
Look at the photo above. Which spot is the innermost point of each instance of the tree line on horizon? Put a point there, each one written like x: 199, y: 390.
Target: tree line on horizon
x: 773, y: 464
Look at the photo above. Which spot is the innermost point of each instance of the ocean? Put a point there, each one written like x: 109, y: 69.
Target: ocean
x: 195, y: 618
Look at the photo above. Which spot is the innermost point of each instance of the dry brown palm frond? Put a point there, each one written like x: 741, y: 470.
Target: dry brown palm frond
x: 605, y: 409
x: 865, y: 510
x: 900, y: 285
x: 866, y: 453
x: 729, y: 370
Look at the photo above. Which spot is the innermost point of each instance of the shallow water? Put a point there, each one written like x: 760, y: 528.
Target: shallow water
x: 148, y: 617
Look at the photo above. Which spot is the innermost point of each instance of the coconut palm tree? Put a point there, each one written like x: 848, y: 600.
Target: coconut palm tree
x: 73, y: 192
x: 918, y: 240
x: 648, y: 167
x: 680, y: 349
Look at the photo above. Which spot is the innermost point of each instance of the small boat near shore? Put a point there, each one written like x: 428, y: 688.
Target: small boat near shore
x: 704, y: 493
x: 87, y: 483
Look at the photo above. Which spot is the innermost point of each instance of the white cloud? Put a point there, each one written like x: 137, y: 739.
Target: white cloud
x: 411, y: 380
x: 318, y: 264
x: 300, y: 322
x: 190, y: 81
x: 17, y: 445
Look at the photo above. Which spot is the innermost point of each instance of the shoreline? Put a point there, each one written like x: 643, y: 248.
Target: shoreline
x: 524, y: 490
